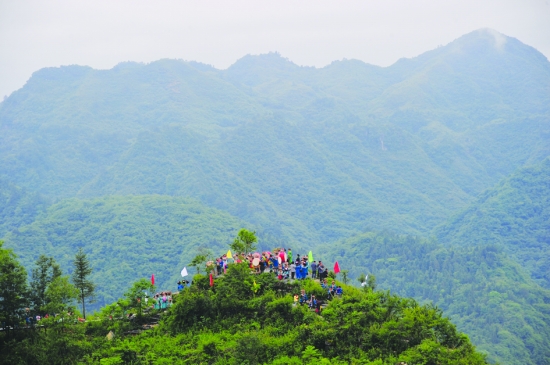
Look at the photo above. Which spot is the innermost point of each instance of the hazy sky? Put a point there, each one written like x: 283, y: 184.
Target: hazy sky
x: 37, y: 34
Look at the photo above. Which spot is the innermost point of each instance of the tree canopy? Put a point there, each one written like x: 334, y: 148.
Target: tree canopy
x: 13, y: 287
x: 245, y: 242
x: 45, y: 272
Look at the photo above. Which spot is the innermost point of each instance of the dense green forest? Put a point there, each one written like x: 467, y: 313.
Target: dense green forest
x: 515, y: 214
x: 18, y: 206
x: 487, y: 295
x: 239, y: 319
x: 145, y: 165
x: 126, y: 238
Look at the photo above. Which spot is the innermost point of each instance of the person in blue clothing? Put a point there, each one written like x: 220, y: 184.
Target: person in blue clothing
x: 313, y: 302
x: 275, y: 263
x: 305, y: 268
x: 180, y: 286
x: 339, y: 291
x: 303, y: 297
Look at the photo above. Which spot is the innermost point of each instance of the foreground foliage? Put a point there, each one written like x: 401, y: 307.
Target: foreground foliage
x: 232, y: 324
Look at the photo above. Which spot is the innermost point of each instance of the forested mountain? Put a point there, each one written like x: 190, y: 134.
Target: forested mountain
x: 148, y: 163
x: 126, y: 238
x: 515, y: 215
x: 18, y: 206
x: 488, y: 295
x: 316, y: 154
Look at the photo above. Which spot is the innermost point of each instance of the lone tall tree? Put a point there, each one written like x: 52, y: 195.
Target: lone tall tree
x: 82, y: 270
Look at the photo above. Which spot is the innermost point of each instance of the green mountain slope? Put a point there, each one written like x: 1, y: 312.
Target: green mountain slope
x: 481, y: 120
x: 514, y: 214
x: 489, y: 296
x: 331, y: 187
x: 126, y: 238
x: 315, y: 153
x: 18, y: 206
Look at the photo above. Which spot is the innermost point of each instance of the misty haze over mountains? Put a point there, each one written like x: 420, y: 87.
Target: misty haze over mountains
x: 307, y: 157
x: 452, y: 119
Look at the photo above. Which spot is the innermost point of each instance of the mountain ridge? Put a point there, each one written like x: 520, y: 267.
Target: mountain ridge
x: 170, y: 127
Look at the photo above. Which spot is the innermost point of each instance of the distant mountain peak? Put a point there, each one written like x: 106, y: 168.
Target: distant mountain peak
x: 485, y: 36
x: 256, y: 69
x: 264, y: 60
x: 499, y: 39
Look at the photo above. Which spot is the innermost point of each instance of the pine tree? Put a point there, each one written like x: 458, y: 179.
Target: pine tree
x: 82, y: 271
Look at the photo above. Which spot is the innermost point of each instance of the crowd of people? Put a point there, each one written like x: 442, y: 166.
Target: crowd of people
x: 304, y: 299
x: 32, y: 320
x: 161, y: 300
x: 280, y: 262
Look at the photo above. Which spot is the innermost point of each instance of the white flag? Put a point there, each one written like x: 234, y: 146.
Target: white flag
x: 184, y: 272
x: 365, y: 282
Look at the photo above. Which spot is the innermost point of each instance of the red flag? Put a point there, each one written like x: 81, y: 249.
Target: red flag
x: 211, y: 280
x: 153, y: 279
x: 336, y: 267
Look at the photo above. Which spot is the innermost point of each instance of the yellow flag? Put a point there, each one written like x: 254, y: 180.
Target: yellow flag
x: 229, y: 256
